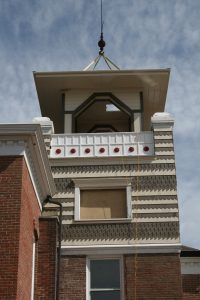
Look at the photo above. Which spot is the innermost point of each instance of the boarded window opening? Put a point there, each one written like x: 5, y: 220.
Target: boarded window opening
x: 103, y: 204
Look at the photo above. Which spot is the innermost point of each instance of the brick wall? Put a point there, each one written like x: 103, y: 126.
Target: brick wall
x: 73, y: 278
x: 17, y: 210
x: 46, y: 259
x: 157, y: 277
x: 10, y: 195
x: 30, y: 211
x: 191, y: 286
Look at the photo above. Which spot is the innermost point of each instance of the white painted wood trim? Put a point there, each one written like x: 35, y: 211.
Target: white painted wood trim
x: 190, y: 265
x: 121, y: 249
x: 109, y: 141
x: 129, y: 202
x: 104, y: 257
x: 77, y: 204
x: 33, y: 272
x: 101, y: 182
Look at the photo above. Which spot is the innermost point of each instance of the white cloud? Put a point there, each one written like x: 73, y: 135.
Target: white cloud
x: 44, y: 35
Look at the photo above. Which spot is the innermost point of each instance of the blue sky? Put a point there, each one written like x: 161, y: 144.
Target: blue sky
x: 48, y: 35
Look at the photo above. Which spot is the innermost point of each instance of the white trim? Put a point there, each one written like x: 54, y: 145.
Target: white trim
x: 101, y: 182
x: 10, y: 148
x: 103, y: 257
x: 108, y: 140
x: 33, y: 272
x: 77, y: 204
x: 129, y: 201
x: 190, y: 265
x: 82, y: 161
x: 121, y: 249
x: 87, y: 277
x: 38, y: 196
x: 93, y: 221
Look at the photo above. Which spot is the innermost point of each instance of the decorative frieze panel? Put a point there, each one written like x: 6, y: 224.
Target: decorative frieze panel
x: 163, y: 135
x: 142, y: 183
x: 154, y: 215
x: 114, y: 170
x: 64, y: 185
x: 164, y: 143
x: 154, y: 183
x: 113, y: 144
x: 154, y: 207
x: 79, y: 234
x: 157, y: 199
x: 164, y: 151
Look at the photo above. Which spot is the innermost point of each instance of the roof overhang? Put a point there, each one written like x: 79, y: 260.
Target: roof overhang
x: 51, y: 85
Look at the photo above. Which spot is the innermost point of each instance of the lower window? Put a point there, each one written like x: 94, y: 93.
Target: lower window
x: 104, y: 279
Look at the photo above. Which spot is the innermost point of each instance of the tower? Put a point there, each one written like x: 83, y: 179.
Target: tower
x: 112, y: 159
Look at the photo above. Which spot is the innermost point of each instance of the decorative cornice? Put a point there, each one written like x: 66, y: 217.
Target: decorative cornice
x: 27, y: 140
x: 46, y: 125
x: 162, y: 120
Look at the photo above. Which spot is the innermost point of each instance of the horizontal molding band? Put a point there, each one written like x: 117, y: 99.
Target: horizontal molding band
x: 121, y: 249
x: 114, y: 174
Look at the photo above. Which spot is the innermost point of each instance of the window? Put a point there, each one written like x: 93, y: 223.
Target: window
x: 104, y: 112
x: 102, y: 199
x: 103, y: 204
x: 104, y: 279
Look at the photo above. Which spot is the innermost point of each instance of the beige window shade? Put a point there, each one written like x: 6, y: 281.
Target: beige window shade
x: 103, y: 204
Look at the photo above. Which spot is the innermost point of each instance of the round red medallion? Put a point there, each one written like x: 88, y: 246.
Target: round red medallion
x: 131, y: 149
x: 116, y: 149
x: 101, y: 150
x: 87, y: 150
x: 146, y: 149
x: 72, y: 151
x: 58, y: 151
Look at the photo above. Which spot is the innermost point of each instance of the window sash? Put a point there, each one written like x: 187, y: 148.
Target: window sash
x: 104, y: 291
x: 105, y: 295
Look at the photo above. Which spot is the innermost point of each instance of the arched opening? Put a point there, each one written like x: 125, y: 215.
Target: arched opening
x: 102, y: 115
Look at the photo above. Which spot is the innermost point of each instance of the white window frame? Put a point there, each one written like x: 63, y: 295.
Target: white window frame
x: 100, y: 257
x: 33, y: 271
x: 102, y: 183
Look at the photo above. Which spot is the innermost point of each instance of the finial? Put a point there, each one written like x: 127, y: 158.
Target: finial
x: 101, y: 45
x: 101, y: 42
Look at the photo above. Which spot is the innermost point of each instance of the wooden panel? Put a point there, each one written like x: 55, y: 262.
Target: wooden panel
x: 103, y: 204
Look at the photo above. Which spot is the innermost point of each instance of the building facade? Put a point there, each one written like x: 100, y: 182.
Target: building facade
x: 95, y: 209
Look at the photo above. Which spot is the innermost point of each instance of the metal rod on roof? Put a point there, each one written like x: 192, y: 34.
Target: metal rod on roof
x: 90, y: 64
x: 98, y: 59
x: 112, y: 63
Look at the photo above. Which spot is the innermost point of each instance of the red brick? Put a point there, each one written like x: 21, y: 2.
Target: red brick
x: 46, y: 259
x: 191, y: 286
x: 73, y: 278
x: 18, y: 208
x: 152, y: 277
